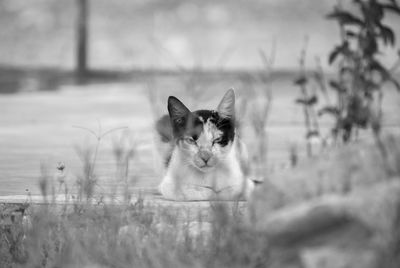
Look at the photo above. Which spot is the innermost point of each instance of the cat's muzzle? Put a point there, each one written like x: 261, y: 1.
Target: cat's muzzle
x: 204, y: 160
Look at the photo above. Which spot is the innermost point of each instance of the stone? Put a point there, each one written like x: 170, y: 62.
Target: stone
x: 362, y: 215
x: 330, y: 257
x: 341, y: 210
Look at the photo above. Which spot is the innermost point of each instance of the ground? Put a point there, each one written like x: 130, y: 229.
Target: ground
x: 38, y: 127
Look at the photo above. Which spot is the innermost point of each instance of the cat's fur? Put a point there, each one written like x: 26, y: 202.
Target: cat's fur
x: 206, y: 159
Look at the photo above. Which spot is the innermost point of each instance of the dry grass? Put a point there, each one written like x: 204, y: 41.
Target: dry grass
x: 131, y: 232
x: 129, y: 235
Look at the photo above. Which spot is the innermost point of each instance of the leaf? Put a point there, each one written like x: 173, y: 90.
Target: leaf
x: 362, y: 119
x: 312, y: 133
x: 346, y: 125
x: 345, y: 17
x: 308, y: 101
x: 351, y: 34
x: 393, y: 8
x: 332, y: 110
x: 358, y: 112
x: 345, y: 70
x: 302, y: 80
x: 387, y: 35
x: 342, y: 49
x: 377, y: 66
x: 369, y: 85
x: 368, y: 44
x: 386, y: 75
x: 337, y: 86
x: 395, y: 83
x: 333, y: 55
x: 374, y: 11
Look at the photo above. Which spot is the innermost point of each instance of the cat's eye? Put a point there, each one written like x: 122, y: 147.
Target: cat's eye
x: 218, y: 140
x: 190, y: 140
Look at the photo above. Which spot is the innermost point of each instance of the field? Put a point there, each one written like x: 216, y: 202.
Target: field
x: 80, y: 160
x: 38, y: 127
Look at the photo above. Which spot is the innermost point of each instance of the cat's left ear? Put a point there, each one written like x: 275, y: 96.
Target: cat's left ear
x: 226, y: 108
x: 177, y: 110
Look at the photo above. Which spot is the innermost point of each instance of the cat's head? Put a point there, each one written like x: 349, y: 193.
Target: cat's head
x: 204, y: 137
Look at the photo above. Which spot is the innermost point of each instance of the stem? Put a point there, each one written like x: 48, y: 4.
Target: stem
x: 94, y: 158
x: 111, y: 130
x: 382, y: 149
x: 322, y: 81
x: 305, y: 95
x: 307, y: 120
x: 126, y: 172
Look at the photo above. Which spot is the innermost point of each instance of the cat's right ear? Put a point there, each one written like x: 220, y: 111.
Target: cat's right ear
x: 177, y: 110
x: 226, y: 108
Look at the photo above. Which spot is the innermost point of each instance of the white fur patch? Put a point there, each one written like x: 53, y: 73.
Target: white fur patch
x: 225, y: 181
x: 209, y: 134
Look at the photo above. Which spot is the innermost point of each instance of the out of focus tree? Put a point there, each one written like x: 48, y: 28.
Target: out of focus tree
x: 82, y: 37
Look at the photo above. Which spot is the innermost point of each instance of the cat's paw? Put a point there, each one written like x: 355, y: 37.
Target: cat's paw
x: 236, y: 192
x: 184, y: 192
x: 198, y: 193
x: 170, y: 191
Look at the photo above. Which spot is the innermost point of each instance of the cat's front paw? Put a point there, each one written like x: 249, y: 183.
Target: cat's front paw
x: 197, y: 193
x: 170, y: 191
x: 174, y: 192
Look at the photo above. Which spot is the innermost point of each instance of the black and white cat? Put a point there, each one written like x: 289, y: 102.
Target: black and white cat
x: 206, y: 160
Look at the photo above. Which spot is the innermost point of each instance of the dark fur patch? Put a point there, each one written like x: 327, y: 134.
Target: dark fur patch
x: 226, y: 125
x: 164, y: 128
x: 191, y: 125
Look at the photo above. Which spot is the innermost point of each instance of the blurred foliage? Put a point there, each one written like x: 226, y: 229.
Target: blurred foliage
x: 360, y: 73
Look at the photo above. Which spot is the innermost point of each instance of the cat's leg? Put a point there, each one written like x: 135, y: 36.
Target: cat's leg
x: 231, y: 193
x: 240, y: 191
x: 171, y: 190
x: 197, y: 193
x: 249, y: 188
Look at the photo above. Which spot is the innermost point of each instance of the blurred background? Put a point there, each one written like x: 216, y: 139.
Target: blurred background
x: 126, y: 35
x: 107, y: 64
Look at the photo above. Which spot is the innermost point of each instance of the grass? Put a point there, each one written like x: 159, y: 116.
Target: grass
x: 131, y: 232
x: 95, y: 229
x: 87, y: 232
x: 129, y: 235
x: 99, y: 230
x: 135, y: 232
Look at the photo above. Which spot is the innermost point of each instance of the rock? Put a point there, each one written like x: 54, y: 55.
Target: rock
x: 313, y: 223
x: 330, y: 257
x: 338, y: 171
x: 342, y: 210
x: 366, y: 216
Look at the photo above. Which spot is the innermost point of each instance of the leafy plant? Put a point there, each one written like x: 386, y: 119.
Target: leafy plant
x: 361, y: 75
x: 88, y: 179
x: 308, y: 99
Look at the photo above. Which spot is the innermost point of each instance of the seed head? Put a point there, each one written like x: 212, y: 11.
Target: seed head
x: 60, y: 166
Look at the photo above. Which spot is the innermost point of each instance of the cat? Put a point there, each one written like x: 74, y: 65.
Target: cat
x: 206, y: 160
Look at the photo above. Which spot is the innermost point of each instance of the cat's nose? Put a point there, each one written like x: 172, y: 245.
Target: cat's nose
x: 205, y: 156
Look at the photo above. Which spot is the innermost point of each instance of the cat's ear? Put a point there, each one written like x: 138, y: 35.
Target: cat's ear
x: 177, y: 110
x: 226, y: 108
